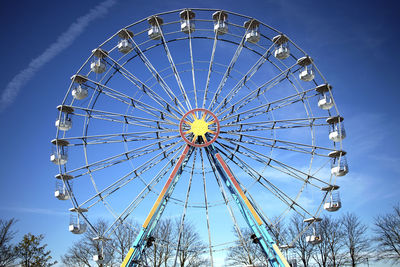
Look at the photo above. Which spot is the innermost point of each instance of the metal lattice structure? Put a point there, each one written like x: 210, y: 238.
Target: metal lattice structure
x: 199, y: 113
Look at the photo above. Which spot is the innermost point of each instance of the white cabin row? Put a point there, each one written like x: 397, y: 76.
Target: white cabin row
x: 80, y: 91
x: 77, y: 225
x: 332, y: 203
x: 220, y: 18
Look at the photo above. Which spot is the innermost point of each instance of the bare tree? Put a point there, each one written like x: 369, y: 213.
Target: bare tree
x: 191, y: 248
x: 387, y: 234
x: 124, y: 236
x: 7, y: 250
x: 162, y: 246
x: 81, y: 253
x: 321, y: 250
x: 278, y: 232
x: 355, y: 238
x: 161, y: 250
x: 328, y: 252
x: 246, y: 251
x: 302, y: 249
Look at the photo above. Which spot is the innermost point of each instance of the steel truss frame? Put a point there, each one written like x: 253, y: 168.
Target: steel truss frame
x: 249, y: 211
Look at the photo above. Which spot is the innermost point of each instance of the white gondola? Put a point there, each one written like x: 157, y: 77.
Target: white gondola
x: 314, y: 238
x: 332, y: 202
x: 325, y: 101
x: 64, y: 123
x: 77, y: 224
x: 59, y: 154
x: 61, y: 191
x: 220, y: 22
x: 306, y: 71
x: 282, y: 50
x: 253, y: 31
x: 155, y: 27
x: 102, y: 257
x: 187, y: 23
x: 79, y: 90
x: 336, y: 130
x: 124, y: 45
x: 98, y: 64
x: 339, y: 165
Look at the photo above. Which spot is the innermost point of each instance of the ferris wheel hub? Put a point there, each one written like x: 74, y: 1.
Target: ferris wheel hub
x: 199, y: 127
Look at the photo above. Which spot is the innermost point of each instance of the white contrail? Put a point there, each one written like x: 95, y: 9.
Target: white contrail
x: 63, y: 41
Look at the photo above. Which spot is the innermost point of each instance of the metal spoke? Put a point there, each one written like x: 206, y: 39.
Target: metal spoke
x: 138, y: 171
x: 122, y: 157
x: 130, y: 101
x: 284, y: 168
x: 157, y: 76
x: 250, y: 73
x: 257, y: 176
x: 228, y: 204
x: 294, y: 122
x: 193, y: 74
x: 272, y: 143
x: 227, y: 72
x: 172, y: 63
x: 267, y: 107
x: 210, y: 66
x: 260, y: 128
x: 86, y: 138
x: 143, y: 87
x: 160, y: 119
x: 182, y: 222
x: 261, y: 90
x: 206, y: 207
x: 124, y: 119
x: 144, y: 192
x: 124, y: 139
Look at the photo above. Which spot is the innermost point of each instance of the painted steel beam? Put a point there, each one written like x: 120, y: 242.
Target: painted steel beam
x: 132, y: 259
x: 248, y: 210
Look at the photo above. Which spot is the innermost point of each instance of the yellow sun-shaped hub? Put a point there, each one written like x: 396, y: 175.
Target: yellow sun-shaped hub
x: 199, y: 127
x: 207, y: 126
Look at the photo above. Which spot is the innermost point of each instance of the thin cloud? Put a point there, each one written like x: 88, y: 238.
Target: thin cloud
x: 34, y: 211
x: 63, y: 41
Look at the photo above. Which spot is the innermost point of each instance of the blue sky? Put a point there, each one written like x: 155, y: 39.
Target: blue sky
x: 354, y: 45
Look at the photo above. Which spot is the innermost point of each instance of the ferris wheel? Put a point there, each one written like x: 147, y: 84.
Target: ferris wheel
x: 204, y: 115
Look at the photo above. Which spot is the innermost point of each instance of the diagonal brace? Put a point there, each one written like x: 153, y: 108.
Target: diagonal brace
x: 133, y: 257
x: 249, y: 211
